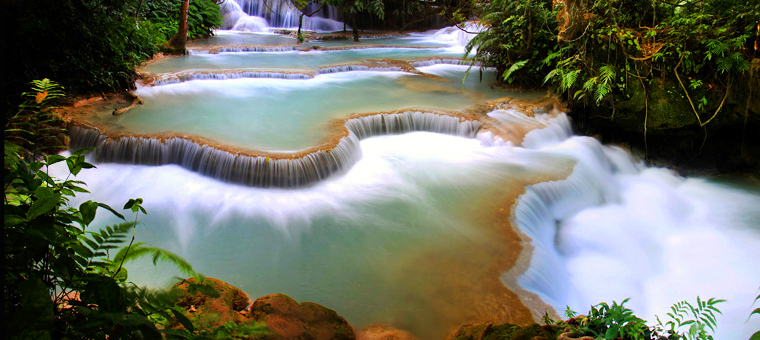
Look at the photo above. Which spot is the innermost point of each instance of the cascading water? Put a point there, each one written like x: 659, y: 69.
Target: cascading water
x: 266, y: 171
x: 615, y: 229
x: 409, y: 229
x: 257, y: 15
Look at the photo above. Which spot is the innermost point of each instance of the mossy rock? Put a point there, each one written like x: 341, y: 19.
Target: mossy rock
x: 504, y: 332
x: 200, y: 302
x: 514, y: 332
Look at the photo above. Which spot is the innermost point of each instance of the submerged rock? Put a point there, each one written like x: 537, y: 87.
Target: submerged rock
x: 383, y: 332
x: 307, y: 320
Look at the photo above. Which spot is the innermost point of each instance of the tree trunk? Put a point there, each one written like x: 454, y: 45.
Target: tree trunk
x: 178, y: 41
x: 403, y: 15
x: 354, y: 28
x: 300, y: 24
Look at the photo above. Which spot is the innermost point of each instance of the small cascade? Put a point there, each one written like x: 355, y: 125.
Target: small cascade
x: 228, y: 49
x: 350, y: 68
x: 395, y: 123
x: 280, y: 14
x: 445, y: 61
x: 258, y: 171
x: 455, y: 36
x: 266, y: 171
x: 615, y: 229
x: 237, y: 19
x: 175, y: 79
x: 546, y: 203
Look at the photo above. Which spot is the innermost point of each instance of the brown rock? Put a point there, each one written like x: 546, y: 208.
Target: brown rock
x: 468, y: 331
x: 291, y: 320
x: 216, y: 310
x: 384, y: 332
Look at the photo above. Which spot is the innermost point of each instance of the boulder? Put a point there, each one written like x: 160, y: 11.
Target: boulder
x: 383, y: 332
x: 307, y: 320
x: 198, y: 300
x: 504, y: 332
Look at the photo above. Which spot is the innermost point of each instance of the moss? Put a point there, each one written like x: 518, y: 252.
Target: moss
x: 515, y: 332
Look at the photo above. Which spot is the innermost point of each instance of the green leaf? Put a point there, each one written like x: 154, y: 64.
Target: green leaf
x: 107, y: 207
x: 183, y: 319
x: 88, y: 210
x: 52, y: 159
x: 13, y: 220
x: 34, y: 313
x: 756, y: 311
x: 755, y: 336
x: 133, y: 204
x: 47, y: 199
x: 612, y: 332
x: 516, y: 66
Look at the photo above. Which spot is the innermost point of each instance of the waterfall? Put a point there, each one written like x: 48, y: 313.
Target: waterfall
x: 174, y: 79
x: 228, y: 49
x: 447, y: 61
x: 615, y: 229
x: 283, y: 170
x: 350, y: 68
x: 237, y: 19
x: 277, y: 13
x: 383, y: 124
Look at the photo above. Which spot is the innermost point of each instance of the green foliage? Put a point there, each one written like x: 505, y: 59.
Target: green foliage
x: 512, y: 41
x: 36, y: 126
x: 91, y: 46
x: 600, y: 49
x: 756, y: 335
x: 697, y: 317
x: 62, y: 279
x: 208, y: 329
x: 569, y: 313
x: 203, y: 17
x: 615, y: 321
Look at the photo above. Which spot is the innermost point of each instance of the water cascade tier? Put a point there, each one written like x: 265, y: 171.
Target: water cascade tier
x: 268, y: 170
x: 378, y: 181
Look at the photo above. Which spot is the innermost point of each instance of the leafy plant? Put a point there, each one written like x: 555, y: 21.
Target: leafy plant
x: 36, y: 126
x: 756, y: 335
x: 61, y: 278
x: 697, y: 317
x: 613, y: 321
x: 603, y: 52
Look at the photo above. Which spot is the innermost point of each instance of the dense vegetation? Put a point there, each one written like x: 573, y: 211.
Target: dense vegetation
x: 90, y: 46
x: 644, y: 65
x: 64, y: 279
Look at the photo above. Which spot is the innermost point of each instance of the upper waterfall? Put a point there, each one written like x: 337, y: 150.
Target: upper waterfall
x: 259, y: 15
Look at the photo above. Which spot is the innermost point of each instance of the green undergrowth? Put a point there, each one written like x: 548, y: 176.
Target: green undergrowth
x: 64, y: 278
x: 90, y: 46
x: 616, y: 56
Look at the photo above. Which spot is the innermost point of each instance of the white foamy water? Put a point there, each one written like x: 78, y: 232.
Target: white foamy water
x: 258, y: 15
x: 616, y: 229
x: 613, y: 230
x: 349, y: 242
x: 356, y: 241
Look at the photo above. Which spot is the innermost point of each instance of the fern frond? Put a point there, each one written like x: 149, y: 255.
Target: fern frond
x: 516, y: 66
x: 139, y: 250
